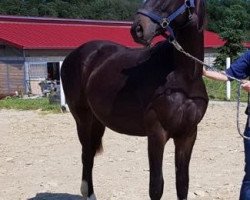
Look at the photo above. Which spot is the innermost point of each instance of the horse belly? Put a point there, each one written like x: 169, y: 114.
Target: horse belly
x: 121, y: 118
x: 118, y: 109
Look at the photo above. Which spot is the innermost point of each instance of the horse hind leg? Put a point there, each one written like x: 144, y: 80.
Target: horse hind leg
x: 183, y: 150
x: 90, y: 132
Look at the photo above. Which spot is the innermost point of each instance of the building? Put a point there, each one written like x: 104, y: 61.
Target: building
x: 31, y: 49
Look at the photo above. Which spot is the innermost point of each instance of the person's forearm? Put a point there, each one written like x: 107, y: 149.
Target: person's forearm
x: 215, y: 75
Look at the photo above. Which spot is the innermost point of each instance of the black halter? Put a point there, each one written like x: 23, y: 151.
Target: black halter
x: 164, y: 22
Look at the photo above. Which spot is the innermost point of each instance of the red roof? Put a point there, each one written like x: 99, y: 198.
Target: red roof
x: 38, y: 33
x: 213, y: 40
x: 51, y: 33
x: 246, y: 44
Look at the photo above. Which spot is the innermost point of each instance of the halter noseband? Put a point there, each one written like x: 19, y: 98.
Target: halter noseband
x: 164, y: 22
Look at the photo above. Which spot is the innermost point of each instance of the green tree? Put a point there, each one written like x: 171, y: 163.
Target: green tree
x: 232, y: 28
x: 88, y: 9
x: 12, y: 7
x: 217, y: 12
x: 109, y: 9
x: 47, y: 9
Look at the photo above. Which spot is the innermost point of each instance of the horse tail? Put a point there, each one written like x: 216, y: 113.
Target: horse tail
x: 97, y: 132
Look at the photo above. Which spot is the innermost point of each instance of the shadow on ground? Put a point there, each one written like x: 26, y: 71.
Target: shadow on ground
x: 55, y: 196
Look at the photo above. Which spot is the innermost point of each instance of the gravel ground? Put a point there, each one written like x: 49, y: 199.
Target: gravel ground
x: 40, y: 159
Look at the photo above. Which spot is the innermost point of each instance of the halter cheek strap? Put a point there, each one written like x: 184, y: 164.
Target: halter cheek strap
x: 164, y: 22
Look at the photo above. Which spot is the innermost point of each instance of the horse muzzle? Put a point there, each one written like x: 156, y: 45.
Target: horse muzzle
x: 144, y: 30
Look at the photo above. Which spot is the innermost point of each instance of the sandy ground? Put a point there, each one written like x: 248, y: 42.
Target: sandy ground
x: 40, y: 159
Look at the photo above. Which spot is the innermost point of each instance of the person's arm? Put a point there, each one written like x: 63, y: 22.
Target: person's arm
x: 214, y: 75
x: 238, y: 69
x: 221, y: 77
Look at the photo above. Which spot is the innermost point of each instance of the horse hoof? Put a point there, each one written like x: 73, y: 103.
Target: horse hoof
x: 84, y: 190
x: 92, y: 197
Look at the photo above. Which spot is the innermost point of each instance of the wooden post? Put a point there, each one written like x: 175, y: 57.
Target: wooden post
x: 228, y: 82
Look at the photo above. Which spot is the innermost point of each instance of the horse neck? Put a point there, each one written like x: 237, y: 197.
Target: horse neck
x: 191, y: 38
x: 192, y: 42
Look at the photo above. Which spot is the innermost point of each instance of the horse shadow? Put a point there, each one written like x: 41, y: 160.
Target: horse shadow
x: 55, y: 196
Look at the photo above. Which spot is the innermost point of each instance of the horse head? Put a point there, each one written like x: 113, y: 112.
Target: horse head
x: 157, y: 17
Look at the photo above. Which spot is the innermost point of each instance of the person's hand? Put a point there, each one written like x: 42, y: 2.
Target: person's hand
x: 204, y: 72
x: 246, y: 85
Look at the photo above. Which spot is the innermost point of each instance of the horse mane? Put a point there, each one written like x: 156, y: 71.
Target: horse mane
x: 201, y: 13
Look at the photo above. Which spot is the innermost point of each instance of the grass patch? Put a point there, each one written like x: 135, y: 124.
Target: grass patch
x: 217, y: 90
x: 42, y: 104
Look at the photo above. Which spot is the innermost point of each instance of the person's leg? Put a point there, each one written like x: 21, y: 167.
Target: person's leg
x: 245, y: 188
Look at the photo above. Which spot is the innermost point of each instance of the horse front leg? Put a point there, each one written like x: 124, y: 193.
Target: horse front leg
x: 156, y: 144
x: 183, y: 150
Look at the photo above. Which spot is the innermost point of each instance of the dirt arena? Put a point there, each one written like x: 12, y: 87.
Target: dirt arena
x: 40, y: 159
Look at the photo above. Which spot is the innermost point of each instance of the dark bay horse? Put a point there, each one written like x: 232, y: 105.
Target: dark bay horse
x: 154, y: 92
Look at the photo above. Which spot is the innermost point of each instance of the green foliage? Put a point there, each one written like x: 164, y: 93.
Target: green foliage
x: 217, y: 90
x: 233, y: 45
x: 88, y: 9
x: 232, y: 27
x: 110, y: 9
x: 217, y: 10
x: 29, y: 104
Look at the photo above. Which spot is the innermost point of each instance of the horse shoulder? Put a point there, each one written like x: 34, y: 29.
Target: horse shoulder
x: 176, y: 111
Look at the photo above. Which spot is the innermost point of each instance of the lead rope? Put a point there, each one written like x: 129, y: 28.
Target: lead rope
x: 247, y: 112
x: 238, y: 113
x: 180, y: 49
